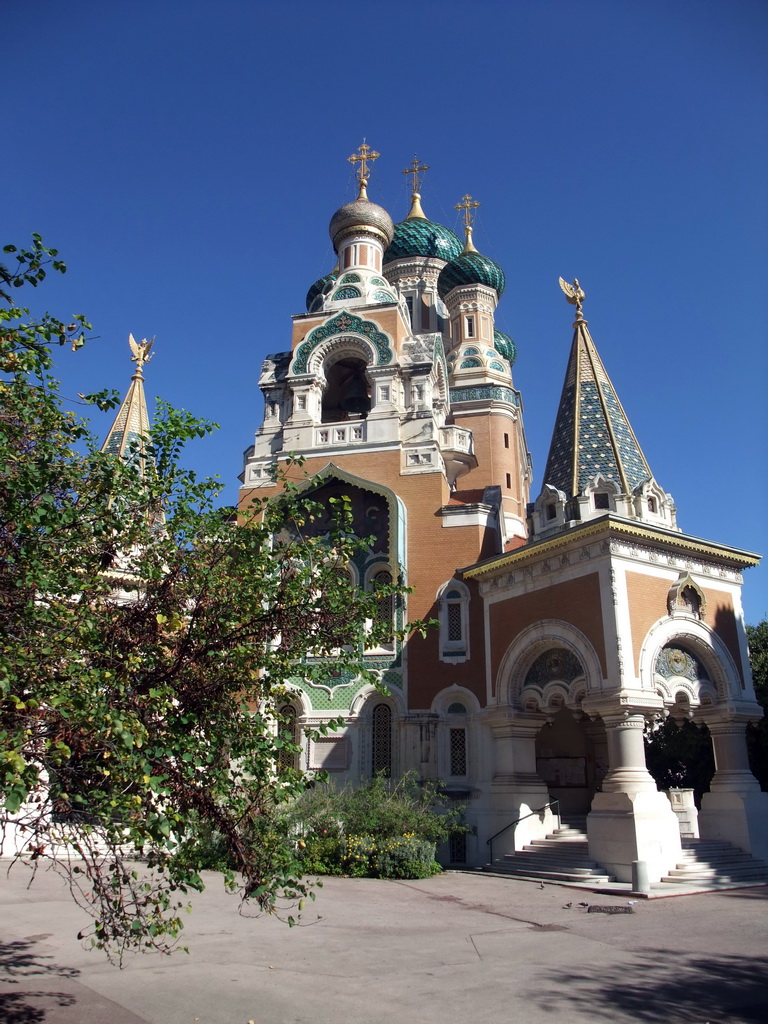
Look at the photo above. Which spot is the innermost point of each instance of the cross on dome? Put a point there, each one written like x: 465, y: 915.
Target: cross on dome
x: 468, y: 204
x: 415, y: 170
x: 364, y: 156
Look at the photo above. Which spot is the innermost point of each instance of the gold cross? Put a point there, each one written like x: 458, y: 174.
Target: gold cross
x: 364, y: 156
x: 416, y: 169
x: 467, y: 204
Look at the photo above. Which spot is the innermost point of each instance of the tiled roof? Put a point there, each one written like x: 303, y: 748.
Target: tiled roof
x: 592, y: 434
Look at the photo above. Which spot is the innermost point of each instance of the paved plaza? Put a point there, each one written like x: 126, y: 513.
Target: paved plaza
x: 455, y: 948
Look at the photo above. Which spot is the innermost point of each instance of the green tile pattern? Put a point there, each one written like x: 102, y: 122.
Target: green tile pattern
x: 471, y: 268
x: 420, y: 237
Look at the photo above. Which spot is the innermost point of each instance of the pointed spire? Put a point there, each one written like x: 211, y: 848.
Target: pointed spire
x: 468, y: 204
x: 131, y: 425
x: 592, y: 435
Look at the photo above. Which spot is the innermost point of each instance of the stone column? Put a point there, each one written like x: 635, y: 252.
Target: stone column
x: 516, y: 789
x: 630, y: 819
x: 734, y: 810
x: 627, y: 771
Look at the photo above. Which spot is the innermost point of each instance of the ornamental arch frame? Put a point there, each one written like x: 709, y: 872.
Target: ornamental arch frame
x: 530, y: 644
x: 725, y: 680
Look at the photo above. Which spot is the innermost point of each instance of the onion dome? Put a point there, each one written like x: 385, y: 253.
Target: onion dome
x: 417, y: 236
x: 505, y: 346
x: 363, y: 215
x: 320, y: 286
x: 469, y: 268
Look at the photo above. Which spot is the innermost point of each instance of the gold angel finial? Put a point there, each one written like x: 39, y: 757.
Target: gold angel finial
x: 364, y: 156
x: 574, y: 293
x: 141, y: 350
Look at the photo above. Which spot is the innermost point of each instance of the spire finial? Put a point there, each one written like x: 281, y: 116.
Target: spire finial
x: 364, y: 156
x: 141, y: 354
x: 574, y: 293
x: 416, y: 169
x: 468, y: 204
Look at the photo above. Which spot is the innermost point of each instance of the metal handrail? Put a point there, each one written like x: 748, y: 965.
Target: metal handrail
x: 512, y: 824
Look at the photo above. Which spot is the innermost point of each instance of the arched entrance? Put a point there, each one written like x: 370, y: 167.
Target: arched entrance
x: 571, y: 752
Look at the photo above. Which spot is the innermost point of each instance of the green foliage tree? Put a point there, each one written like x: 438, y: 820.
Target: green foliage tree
x: 757, y: 735
x: 146, y: 638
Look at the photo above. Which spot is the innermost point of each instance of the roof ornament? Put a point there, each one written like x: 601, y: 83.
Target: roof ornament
x: 415, y: 170
x: 468, y: 204
x: 364, y: 156
x: 141, y: 350
x: 574, y: 293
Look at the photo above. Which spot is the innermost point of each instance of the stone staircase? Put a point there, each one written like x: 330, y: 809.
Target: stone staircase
x: 713, y: 863
x: 562, y: 857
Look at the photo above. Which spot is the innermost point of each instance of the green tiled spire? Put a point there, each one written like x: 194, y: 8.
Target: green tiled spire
x: 131, y: 425
x: 592, y: 434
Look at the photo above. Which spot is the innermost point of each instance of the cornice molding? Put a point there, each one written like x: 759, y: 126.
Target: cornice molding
x: 618, y: 537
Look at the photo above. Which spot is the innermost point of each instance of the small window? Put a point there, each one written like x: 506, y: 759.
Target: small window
x: 453, y: 607
x: 288, y: 730
x: 506, y: 440
x: 409, y: 304
x: 651, y: 504
x: 509, y: 481
x: 469, y: 324
x: 453, y: 614
x: 551, y: 511
x: 602, y: 500
x: 381, y: 740
x: 457, y: 848
x: 458, y: 751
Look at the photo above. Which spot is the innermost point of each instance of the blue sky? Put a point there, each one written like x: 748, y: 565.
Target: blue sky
x: 186, y: 157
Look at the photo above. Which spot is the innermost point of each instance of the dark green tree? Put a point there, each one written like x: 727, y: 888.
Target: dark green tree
x: 146, y: 638
x: 757, y: 735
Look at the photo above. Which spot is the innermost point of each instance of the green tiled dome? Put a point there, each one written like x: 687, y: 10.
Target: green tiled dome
x: 420, y: 237
x: 318, y: 288
x: 471, y: 268
x: 505, y: 346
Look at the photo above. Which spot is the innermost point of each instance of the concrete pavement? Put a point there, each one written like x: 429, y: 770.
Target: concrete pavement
x: 458, y: 947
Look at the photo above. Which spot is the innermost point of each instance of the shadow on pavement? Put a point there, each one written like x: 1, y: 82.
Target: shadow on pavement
x: 665, y: 986
x: 19, y: 964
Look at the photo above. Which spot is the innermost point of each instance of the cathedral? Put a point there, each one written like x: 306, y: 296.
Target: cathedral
x: 569, y: 615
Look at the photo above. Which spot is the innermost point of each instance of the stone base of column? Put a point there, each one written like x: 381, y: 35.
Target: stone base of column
x: 738, y: 818
x: 514, y: 796
x: 625, y: 827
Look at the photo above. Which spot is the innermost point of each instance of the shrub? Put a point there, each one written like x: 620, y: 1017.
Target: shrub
x: 376, y: 830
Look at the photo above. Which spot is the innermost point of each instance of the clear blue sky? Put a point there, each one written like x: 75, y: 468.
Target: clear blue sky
x: 185, y: 156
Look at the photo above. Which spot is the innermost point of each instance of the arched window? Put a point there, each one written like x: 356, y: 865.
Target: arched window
x: 458, y: 757
x: 385, y: 606
x: 381, y: 740
x: 287, y: 726
x: 453, y: 611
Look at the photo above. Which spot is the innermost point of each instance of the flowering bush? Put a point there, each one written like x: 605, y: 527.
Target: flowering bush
x: 376, y: 830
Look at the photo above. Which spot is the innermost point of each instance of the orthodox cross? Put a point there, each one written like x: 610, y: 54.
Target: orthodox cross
x: 364, y: 156
x: 416, y: 169
x: 467, y: 204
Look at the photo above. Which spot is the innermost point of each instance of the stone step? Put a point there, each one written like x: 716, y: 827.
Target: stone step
x: 564, y: 875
